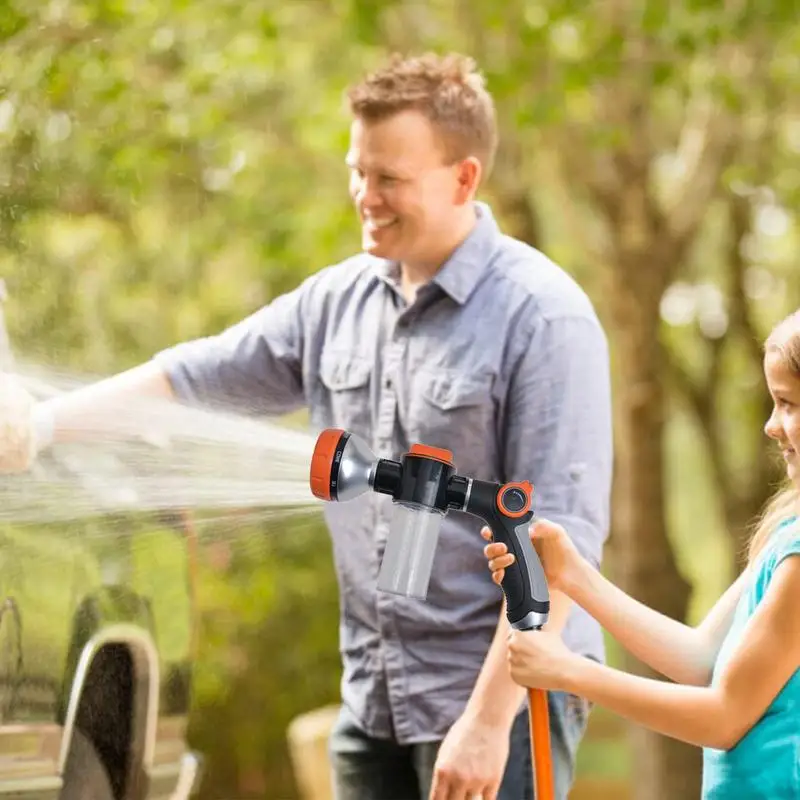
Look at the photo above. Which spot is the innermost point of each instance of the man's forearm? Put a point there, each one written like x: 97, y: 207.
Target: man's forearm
x: 108, y: 406
x: 496, y: 698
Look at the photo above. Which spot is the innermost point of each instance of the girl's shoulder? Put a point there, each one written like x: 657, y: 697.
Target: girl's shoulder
x: 786, y: 536
x: 783, y: 542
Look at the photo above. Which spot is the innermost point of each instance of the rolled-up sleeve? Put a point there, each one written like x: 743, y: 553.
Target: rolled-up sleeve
x: 254, y: 366
x: 559, y: 427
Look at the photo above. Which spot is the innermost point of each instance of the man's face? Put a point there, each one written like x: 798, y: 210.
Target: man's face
x: 407, y: 195
x: 784, y: 424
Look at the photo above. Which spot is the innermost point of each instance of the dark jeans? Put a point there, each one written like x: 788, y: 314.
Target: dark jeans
x: 378, y: 769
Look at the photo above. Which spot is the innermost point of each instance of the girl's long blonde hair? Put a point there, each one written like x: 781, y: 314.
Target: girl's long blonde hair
x: 785, y: 341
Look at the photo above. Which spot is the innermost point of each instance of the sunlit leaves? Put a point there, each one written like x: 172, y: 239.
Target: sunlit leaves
x: 168, y: 166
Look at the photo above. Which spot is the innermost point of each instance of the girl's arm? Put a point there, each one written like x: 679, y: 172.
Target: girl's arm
x: 680, y: 652
x: 716, y: 716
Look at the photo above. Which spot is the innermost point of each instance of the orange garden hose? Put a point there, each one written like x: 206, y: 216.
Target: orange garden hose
x: 539, y: 717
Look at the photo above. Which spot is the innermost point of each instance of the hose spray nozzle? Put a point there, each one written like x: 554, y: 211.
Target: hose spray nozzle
x: 424, y: 486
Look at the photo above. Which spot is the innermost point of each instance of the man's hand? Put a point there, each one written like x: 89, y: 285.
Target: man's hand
x: 471, y: 761
x: 17, y: 446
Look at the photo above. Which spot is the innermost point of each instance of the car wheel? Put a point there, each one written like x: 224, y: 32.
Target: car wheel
x: 85, y: 777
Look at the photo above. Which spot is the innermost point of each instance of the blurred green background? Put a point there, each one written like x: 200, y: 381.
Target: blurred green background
x: 168, y: 166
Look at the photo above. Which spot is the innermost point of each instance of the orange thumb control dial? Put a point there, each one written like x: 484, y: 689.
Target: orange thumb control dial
x: 514, y: 499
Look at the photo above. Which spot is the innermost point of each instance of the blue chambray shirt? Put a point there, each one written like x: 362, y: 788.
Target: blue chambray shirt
x: 500, y: 359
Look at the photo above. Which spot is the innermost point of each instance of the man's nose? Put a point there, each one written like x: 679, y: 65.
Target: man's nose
x: 367, y: 192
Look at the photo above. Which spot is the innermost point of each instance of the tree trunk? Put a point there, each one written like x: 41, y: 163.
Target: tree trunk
x: 512, y: 195
x: 742, y: 490
x: 746, y: 495
x: 664, y: 769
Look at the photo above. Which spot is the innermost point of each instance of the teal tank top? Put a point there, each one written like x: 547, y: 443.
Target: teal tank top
x: 766, y: 761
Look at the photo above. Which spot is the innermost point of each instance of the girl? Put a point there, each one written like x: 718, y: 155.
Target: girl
x: 736, y: 690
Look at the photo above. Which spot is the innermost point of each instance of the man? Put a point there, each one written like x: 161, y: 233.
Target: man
x: 446, y: 332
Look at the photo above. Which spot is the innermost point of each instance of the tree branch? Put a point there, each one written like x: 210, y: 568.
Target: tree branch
x: 588, y: 171
x: 707, y: 141
x: 702, y: 398
x: 510, y: 180
x: 712, y: 133
x: 741, y: 320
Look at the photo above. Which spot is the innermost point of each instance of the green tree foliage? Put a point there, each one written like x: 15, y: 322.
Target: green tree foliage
x: 268, y: 650
x: 652, y: 120
x: 168, y: 167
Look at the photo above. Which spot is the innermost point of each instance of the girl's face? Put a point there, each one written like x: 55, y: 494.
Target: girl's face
x: 784, y: 423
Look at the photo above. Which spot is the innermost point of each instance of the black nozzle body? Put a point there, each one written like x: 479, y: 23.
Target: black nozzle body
x: 387, y: 477
x: 430, y: 482
x: 424, y: 482
x: 416, y: 481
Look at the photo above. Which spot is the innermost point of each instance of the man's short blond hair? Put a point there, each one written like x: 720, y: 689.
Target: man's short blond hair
x: 448, y: 90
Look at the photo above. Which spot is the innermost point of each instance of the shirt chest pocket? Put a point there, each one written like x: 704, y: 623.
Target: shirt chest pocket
x: 454, y: 410
x: 346, y: 380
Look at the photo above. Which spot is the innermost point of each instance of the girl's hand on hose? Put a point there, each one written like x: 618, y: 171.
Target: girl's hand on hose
x: 541, y: 660
x: 559, y: 556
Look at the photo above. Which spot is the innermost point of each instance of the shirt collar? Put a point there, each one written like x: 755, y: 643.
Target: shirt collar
x: 462, y: 272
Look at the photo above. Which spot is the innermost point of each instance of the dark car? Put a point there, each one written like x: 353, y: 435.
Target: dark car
x: 97, y: 630
x: 97, y: 642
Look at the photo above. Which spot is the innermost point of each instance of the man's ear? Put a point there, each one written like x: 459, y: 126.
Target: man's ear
x: 469, y: 177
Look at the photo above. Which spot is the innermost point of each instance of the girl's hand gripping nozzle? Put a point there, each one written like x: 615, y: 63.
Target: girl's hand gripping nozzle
x: 506, y: 509
x: 424, y: 487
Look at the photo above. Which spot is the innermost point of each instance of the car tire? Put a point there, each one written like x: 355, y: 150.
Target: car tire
x: 85, y: 776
